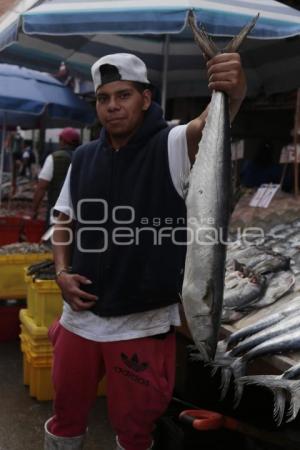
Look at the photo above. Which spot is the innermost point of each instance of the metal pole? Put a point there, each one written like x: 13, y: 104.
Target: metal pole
x: 165, y: 73
x: 2, y: 154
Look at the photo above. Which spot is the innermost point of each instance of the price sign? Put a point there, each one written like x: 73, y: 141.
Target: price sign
x: 288, y: 154
x: 237, y: 150
x: 264, y: 195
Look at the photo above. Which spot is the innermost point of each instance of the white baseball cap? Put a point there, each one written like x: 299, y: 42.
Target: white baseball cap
x: 119, y: 67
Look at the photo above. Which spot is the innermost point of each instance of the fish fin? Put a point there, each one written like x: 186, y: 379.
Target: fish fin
x: 207, y: 46
x: 237, y: 41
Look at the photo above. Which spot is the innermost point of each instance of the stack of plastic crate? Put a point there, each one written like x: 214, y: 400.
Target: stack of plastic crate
x: 37, y: 357
x: 44, y: 305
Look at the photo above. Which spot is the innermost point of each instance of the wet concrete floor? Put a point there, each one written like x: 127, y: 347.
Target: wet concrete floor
x: 22, y: 417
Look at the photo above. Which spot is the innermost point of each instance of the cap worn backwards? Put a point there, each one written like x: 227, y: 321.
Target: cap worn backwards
x: 117, y: 67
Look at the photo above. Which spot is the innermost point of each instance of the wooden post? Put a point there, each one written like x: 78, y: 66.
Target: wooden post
x: 296, y: 129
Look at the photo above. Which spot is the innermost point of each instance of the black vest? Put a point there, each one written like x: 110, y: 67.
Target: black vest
x: 124, y: 227
x: 61, y: 162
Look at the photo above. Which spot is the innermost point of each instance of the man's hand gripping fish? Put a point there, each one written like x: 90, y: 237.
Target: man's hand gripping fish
x: 208, y: 210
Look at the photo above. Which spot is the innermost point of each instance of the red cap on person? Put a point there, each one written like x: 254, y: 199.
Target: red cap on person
x: 70, y: 136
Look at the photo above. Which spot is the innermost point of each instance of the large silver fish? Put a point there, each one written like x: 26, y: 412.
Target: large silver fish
x: 208, y: 211
x: 266, y: 321
x: 291, y: 322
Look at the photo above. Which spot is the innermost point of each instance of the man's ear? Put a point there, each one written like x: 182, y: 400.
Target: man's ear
x: 147, y: 99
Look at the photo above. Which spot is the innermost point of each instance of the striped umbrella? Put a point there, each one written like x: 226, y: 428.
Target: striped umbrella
x: 30, y: 98
x: 78, y: 33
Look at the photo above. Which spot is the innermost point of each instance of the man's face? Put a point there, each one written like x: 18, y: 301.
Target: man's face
x: 120, y: 107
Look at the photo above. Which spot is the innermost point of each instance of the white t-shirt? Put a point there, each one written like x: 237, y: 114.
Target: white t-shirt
x: 46, y: 172
x: 142, y: 324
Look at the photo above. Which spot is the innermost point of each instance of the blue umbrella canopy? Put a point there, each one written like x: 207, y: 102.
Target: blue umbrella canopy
x: 28, y: 95
x: 80, y: 32
x: 223, y: 18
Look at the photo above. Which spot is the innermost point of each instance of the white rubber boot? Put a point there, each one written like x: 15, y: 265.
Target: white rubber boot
x: 53, y: 442
x: 122, y: 448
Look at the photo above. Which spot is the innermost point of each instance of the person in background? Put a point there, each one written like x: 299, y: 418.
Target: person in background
x: 17, y: 145
x: 28, y: 159
x: 54, y: 170
x: 121, y: 294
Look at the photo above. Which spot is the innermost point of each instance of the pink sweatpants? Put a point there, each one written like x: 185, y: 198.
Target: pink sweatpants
x: 140, y: 380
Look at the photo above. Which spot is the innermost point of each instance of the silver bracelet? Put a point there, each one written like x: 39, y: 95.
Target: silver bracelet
x: 59, y: 272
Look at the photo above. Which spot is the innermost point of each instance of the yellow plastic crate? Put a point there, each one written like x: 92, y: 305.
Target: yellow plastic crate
x: 37, y: 347
x: 12, y: 283
x: 29, y: 326
x: 38, y: 378
x: 48, y: 302
x: 37, y: 374
x: 30, y: 294
x: 26, y: 369
x: 41, y: 386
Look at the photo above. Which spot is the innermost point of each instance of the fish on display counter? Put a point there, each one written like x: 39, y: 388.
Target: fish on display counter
x: 242, y: 290
x: 278, y: 284
x: 263, y: 323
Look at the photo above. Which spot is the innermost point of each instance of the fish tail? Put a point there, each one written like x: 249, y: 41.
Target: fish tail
x: 238, y: 393
x: 238, y: 367
x: 238, y: 370
x: 207, y: 46
x: 294, y: 406
x: 226, y: 376
x: 237, y: 41
x: 279, y: 405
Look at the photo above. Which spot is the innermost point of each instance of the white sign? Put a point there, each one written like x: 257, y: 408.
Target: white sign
x: 237, y: 150
x: 263, y: 196
x: 288, y: 154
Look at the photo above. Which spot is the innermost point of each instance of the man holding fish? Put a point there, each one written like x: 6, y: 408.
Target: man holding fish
x: 120, y: 280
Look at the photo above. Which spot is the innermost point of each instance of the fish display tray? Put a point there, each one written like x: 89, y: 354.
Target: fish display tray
x: 12, y: 283
x: 44, y: 301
